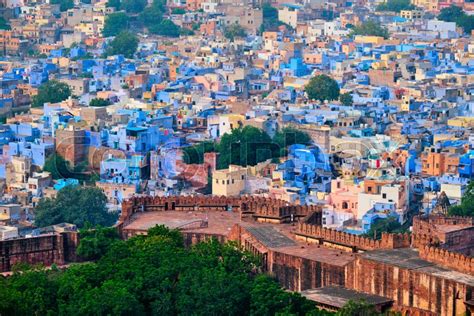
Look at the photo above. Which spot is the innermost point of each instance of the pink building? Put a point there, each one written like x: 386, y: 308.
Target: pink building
x: 344, y: 196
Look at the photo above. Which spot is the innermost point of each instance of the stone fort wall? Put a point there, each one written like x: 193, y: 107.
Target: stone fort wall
x: 446, y: 258
x: 46, y: 250
x: 309, y: 232
x: 262, y: 209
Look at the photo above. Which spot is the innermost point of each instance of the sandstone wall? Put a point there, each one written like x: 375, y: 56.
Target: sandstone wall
x: 388, y: 241
x: 257, y: 207
x: 412, y: 290
x: 298, y: 274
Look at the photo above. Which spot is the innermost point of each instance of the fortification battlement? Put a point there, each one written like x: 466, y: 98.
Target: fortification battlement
x: 446, y: 258
x: 388, y: 241
x: 443, y: 220
x: 264, y: 207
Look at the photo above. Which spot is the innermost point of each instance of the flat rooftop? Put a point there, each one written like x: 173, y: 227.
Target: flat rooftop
x: 319, y: 253
x: 269, y: 236
x: 408, y: 258
x: 338, y: 296
x: 218, y: 222
x: 276, y: 237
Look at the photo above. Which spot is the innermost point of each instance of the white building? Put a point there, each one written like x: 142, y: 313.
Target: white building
x: 8, y: 232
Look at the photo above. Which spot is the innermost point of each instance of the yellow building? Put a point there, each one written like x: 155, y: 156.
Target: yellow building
x: 411, y: 14
x: 427, y: 5
x: 377, y: 40
x: 229, y: 182
x: 462, y: 121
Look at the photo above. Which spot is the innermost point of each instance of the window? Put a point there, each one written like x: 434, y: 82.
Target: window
x: 384, y: 195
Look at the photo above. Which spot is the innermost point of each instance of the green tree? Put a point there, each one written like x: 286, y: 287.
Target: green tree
x: 322, y: 87
x: 115, y: 23
x: 58, y: 167
x: 346, y: 99
x: 195, y: 154
x: 268, y: 298
x: 466, y: 207
x: 133, y: 6
x: 95, y: 243
x: 153, y: 275
x: 289, y: 136
x: 76, y: 205
x: 370, y: 28
x: 125, y: 43
x: 99, y: 102
x: 233, y: 31
x: 52, y: 91
x: 270, y: 19
x: 178, y: 11
x: 451, y: 14
x: 384, y: 225
x: 269, y: 12
x: 152, y: 16
x: 114, y: 4
x: 357, y: 308
x: 4, y: 25
x: 456, y: 14
x: 165, y: 28
x: 244, y: 146
x: 395, y: 6
x: 64, y: 5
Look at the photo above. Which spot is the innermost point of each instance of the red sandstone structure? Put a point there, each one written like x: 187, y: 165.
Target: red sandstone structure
x: 428, y: 272
x: 47, y: 249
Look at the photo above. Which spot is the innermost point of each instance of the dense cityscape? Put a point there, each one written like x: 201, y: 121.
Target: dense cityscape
x: 217, y: 157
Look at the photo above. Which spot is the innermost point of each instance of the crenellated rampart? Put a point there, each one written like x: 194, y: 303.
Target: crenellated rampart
x: 260, y: 208
x: 449, y: 259
x: 327, y: 235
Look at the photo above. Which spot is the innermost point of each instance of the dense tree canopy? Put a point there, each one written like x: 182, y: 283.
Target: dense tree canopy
x: 466, y: 207
x: 178, y: 11
x: 4, y: 25
x: 195, y: 154
x: 152, y: 16
x: 358, y: 308
x: 289, y: 136
x: 456, y: 14
x: 270, y: 18
x: 115, y: 23
x: 114, y: 4
x: 247, y: 146
x: 76, y: 205
x: 346, y: 99
x: 244, y: 146
x: 125, y: 43
x: 96, y: 242
x: 396, y: 5
x: 165, y: 28
x: 153, y: 275
x: 133, y: 6
x: 64, y: 5
x: 370, y: 28
x: 52, y: 91
x: 386, y: 225
x: 322, y: 87
x: 97, y: 102
x: 233, y: 31
x: 58, y: 167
